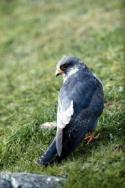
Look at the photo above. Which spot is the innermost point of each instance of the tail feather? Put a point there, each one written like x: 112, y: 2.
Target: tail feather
x: 73, y: 135
x: 49, y: 156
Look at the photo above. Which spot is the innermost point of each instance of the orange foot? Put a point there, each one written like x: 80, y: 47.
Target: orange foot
x: 91, y: 138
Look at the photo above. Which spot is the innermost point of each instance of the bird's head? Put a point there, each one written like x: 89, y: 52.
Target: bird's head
x: 67, y: 64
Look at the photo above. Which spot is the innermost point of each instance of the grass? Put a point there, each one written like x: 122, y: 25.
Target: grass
x: 33, y: 37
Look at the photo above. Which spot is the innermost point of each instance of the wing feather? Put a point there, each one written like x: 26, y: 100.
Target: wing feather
x: 64, y: 114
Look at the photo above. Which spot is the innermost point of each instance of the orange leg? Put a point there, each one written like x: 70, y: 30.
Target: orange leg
x: 90, y: 138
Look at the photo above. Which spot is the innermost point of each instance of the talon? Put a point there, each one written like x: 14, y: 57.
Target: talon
x: 87, y: 137
x: 90, y: 138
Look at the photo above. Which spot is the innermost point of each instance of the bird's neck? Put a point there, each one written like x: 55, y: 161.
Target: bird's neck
x: 69, y: 73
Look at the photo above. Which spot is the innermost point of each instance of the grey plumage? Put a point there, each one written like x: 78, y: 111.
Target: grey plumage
x: 80, y: 104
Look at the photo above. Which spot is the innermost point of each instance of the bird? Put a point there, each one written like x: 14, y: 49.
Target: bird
x: 80, y: 104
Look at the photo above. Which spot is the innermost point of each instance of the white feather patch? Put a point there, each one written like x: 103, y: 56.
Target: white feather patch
x: 70, y: 72
x: 63, y: 117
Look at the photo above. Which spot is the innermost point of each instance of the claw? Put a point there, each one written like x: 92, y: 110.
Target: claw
x: 90, y: 138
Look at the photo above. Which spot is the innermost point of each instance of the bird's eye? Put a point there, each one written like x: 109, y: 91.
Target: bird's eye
x: 63, y: 67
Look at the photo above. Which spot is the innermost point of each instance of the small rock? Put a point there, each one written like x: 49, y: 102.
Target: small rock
x: 28, y: 180
x: 48, y: 125
x: 5, y: 183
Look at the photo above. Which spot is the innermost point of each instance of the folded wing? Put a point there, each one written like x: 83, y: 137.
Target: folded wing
x: 64, y: 114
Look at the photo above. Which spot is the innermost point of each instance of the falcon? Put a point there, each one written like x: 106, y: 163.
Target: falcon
x: 80, y: 104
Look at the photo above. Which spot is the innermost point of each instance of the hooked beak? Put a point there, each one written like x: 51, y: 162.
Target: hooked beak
x: 58, y: 72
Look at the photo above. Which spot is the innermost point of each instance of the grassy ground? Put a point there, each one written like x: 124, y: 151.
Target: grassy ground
x: 33, y: 37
